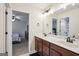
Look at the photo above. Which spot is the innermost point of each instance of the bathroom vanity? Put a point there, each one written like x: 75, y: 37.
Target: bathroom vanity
x: 58, y: 25
x: 50, y: 47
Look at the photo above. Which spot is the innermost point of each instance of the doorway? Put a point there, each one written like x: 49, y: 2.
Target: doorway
x: 20, y: 33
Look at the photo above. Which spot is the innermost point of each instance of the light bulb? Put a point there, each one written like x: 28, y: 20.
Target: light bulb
x: 73, y: 4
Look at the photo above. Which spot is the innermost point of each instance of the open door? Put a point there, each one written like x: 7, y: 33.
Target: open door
x: 9, y: 30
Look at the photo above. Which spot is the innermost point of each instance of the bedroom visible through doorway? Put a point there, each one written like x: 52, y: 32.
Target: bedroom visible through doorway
x: 20, y: 33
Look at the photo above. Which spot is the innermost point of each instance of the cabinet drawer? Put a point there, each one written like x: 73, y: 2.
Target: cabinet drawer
x: 36, y: 45
x: 45, y: 50
x: 62, y: 51
x: 54, y: 53
x: 53, y: 46
x: 46, y: 43
x: 40, y: 47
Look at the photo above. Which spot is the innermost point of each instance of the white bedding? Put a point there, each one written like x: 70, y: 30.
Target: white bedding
x: 16, y: 37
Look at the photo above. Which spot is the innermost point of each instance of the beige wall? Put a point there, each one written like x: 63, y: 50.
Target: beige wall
x: 47, y: 24
x: 2, y: 28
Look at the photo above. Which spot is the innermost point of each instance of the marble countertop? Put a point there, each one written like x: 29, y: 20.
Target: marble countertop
x: 60, y: 41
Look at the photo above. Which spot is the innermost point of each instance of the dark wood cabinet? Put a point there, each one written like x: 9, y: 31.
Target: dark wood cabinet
x: 45, y: 48
x: 38, y: 45
x: 61, y: 51
x: 54, y: 53
x: 40, y: 48
x: 54, y: 50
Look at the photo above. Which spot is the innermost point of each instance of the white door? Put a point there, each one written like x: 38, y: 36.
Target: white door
x: 9, y: 30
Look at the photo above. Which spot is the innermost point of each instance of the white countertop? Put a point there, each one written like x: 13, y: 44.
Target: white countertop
x: 62, y: 42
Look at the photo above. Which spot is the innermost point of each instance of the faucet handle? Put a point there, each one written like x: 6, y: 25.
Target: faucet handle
x: 44, y: 34
x: 68, y: 39
x: 73, y: 36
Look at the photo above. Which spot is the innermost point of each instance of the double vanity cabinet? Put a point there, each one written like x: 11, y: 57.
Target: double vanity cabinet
x: 45, y: 48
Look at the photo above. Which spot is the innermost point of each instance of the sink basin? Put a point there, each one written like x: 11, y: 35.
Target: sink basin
x: 61, y: 40
x: 55, y: 37
x: 69, y: 44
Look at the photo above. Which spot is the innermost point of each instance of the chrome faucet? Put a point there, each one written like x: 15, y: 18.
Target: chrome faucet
x: 44, y: 34
x: 70, y: 40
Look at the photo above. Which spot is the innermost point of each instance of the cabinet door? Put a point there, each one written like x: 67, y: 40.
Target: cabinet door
x: 36, y: 44
x: 62, y: 51
x: 40, y: 48
x: 45, y: 50
x: 54, y: 53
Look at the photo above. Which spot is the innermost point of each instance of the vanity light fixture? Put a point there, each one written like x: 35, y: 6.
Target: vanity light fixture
x: 73, y: 4
x: 46, y: 11
x: 51, y: 11
x: 38, y: 24
x: 64, y: 7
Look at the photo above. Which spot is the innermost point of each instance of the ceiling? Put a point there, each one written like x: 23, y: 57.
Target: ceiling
x: 39, y: 6
x: 23, y: 16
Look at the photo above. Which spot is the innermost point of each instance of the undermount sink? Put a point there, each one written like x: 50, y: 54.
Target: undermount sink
x: 61, y: 40
x: 69, y: 44
x: 55, y: 37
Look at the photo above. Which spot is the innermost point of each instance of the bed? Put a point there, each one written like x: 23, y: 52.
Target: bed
x: 16, y: 37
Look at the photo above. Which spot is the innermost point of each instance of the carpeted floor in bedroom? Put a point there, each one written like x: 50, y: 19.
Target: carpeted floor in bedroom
x: 20, y: 48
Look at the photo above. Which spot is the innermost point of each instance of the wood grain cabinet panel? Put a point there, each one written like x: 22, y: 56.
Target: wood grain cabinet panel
x: 40, y: 48
x: 54, y: 53
x: 45, y: 50
x: 46, y: 43
x: 38, y: 45
x: 62, y: 51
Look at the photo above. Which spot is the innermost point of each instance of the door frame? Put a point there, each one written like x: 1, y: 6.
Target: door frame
x: 9, y: 30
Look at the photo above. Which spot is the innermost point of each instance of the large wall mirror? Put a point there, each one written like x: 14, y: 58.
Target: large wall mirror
x: 57, y: 26
x: 61, y: 28
x: 64, y: 26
